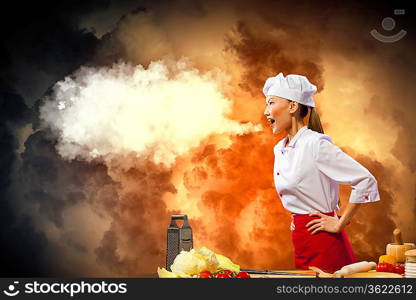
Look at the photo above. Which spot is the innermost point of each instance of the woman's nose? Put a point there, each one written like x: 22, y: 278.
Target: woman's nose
x: 266, y: 111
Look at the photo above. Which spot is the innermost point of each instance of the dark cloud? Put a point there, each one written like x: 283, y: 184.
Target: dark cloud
x: 40, y: 43
x: 140, y: 220
x: 21, y: 244
x: 55, y: 183
x: 262, y: 55
x: 51, y: 186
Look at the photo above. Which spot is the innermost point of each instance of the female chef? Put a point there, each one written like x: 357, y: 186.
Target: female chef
x: 307, y: 171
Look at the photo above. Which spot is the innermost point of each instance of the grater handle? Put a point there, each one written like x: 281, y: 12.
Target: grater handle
x: 180, y: 217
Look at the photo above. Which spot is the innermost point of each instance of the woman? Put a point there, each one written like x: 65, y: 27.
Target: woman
x: 308, y: 169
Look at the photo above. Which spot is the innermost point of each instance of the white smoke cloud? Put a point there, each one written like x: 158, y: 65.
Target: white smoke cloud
x: 161, y: 112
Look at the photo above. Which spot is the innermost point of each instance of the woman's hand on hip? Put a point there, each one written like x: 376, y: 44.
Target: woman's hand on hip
x: 325, y: 223
x: 292, y: 224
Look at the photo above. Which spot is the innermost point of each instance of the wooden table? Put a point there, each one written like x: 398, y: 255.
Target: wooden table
x: 308, y: 274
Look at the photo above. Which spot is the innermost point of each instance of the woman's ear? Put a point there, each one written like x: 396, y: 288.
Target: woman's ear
x: 293, y: 106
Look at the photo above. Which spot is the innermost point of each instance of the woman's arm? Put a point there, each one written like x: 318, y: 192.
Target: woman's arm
x: 348, y: 214
x: 292, y: 224
x: 343, y: 169
x: 332, y: 224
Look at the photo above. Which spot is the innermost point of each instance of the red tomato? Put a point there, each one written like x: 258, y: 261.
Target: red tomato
x: 228, y: 272
x: 222, y: 275
x: 385, y: 267
x: 205, y: 274
x: 399, y: 269
x: 243, y: 275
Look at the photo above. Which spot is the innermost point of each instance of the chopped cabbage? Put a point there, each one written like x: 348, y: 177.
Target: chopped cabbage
x: 163, y: 273
x: 226, y: 264
x: 189, y: 263
x: 211, y: 259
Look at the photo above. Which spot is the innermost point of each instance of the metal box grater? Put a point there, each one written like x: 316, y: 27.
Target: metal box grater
x: 178, y: 239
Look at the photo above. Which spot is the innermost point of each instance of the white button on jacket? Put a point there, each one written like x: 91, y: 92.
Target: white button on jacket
x: 308, y: 171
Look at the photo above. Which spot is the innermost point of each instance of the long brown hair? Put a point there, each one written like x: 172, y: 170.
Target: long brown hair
x: 314, y: 122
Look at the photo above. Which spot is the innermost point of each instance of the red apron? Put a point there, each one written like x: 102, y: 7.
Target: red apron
x: 325, y: 250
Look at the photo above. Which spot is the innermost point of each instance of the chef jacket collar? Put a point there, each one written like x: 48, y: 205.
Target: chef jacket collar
x: 293, y: 141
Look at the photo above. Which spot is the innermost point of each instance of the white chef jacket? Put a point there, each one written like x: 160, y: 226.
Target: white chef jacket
x: 308, y: 171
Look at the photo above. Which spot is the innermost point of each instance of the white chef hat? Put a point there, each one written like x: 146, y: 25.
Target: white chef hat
x: 292, y: 87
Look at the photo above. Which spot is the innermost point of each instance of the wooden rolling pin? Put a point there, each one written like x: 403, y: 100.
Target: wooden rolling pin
x: 398, y: 248
x: 362, y: 266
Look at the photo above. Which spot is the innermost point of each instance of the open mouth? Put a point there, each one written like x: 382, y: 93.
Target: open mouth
x: 271, y: 121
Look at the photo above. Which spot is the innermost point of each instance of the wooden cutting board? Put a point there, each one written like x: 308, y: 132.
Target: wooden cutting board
x: 374, y: 275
